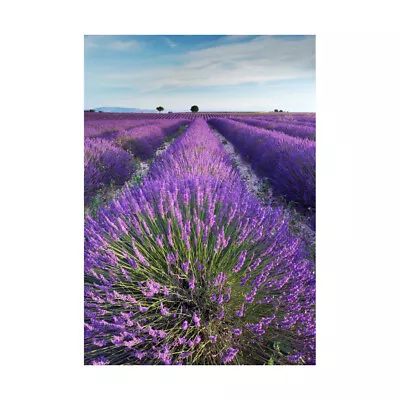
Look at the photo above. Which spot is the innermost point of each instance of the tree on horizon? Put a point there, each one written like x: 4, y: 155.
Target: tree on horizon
x: 160, y: 108
x: 194, y: 109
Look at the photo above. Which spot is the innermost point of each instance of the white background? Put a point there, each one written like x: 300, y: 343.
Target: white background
x: 42, y: 199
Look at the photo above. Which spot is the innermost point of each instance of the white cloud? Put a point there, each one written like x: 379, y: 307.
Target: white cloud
x: 262, y: 59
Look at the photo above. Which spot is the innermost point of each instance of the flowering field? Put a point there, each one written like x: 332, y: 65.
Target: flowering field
x: 184, y: 264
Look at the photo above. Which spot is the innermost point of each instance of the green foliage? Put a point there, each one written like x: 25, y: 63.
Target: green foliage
x: 160, y: 108
x: 194, y: 109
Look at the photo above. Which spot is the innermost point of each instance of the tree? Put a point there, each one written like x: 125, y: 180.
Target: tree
x: 280, y: 110
x: 160, y: 108
x: 276, y: 110
x: 194, y: 109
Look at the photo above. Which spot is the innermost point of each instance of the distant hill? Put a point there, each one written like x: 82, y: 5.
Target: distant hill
x: 123, y: 110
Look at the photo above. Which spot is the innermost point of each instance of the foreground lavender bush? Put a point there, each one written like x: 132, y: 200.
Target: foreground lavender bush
x: 287, y: 162
x: 191, y: 269
x: 104, y: 163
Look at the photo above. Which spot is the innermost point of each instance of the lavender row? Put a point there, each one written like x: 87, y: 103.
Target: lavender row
x: 301, y: 131
x: 291, y: 119
x: 191, y: 269
x: 102, y: 128
x: 104, y: 163
x: 142, y: 141
x: 287, y: 162
x: 111, y: 160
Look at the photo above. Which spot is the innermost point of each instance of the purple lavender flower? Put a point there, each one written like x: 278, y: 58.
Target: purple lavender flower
x: 164, y: 310
x: 240, y: 312
x: 196, y: 320
x: 229, y: 355
x: 100, y: 361
x: 237, y: 331
x: 192, y: 283
x: 213, y: 338
x: 182, y: 340
x: 185, y: 267
x: 99, y: 343
x: 159, y: 241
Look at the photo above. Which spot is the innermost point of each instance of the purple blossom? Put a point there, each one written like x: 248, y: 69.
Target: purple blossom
x: 192, y: 283
x: 100, y: 361
x: 164, y: 310
x: 229, y: 355
x: 182, y: 340
x: 185, y: 267
x: 159, y: 241
x: 196, y: 320
x: 221, y: 278
x: 237, y: 331
x: 99, y: 343
x: 240, y: 312
x: 240, y: 263
x: 139, y: 354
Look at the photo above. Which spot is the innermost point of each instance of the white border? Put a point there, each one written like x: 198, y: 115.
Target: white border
x: 357, y: 192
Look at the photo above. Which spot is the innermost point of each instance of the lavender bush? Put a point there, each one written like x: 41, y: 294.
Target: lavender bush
x: 189, y: 268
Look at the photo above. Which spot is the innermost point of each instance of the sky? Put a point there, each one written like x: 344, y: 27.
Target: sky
x: 216, y: 73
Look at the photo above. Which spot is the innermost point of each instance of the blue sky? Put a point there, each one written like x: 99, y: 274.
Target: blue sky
x: 218, y: 73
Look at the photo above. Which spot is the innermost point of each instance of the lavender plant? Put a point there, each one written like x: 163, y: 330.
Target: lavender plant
x: 189, y: 268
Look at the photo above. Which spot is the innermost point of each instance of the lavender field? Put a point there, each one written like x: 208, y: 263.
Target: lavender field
x: 199, y: 238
